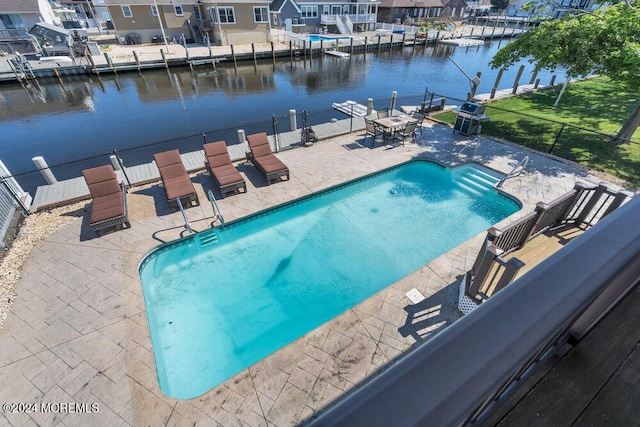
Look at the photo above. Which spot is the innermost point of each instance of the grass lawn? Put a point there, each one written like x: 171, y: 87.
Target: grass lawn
x: 594, y: 105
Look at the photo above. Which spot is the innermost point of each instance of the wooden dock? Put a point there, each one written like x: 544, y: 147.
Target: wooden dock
x: 75, y: 189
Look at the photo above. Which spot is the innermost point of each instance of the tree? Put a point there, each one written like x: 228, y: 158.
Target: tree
x: 606, y: 41
x: 500, y: 4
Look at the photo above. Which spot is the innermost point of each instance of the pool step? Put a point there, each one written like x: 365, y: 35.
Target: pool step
x: 207, y: 239
x: 476, y: 182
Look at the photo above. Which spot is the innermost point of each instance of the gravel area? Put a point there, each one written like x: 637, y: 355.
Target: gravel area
x: 35, y: 228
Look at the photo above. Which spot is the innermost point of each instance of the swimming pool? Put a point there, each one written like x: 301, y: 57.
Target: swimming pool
x: 222, y: 300
x: 314, y: 38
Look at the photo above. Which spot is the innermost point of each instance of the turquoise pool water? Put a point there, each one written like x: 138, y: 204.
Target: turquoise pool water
x: 314, y: 38
x: 225, y: 299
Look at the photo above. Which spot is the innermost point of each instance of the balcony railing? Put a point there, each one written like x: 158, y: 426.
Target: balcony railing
x: 356, y: 19
x: 583, y: 206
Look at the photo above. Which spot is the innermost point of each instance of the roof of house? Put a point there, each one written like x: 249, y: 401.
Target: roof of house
x: 410, y: 4
x: 19, y: 6
x: 276, y: 5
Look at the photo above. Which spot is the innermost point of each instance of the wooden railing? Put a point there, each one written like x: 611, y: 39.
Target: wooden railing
x: 583, y: 207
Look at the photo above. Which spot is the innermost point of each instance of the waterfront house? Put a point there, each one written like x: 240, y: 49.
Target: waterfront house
x: 87, y: 14
x: 225, y: 23
x: 400, y: 11
x: 24, y: 14
x: 313, y: 16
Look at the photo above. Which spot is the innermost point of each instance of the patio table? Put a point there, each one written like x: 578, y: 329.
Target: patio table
x: 391, y: 124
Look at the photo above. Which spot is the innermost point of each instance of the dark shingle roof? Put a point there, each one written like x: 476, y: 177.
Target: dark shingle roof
x: 276, y: 5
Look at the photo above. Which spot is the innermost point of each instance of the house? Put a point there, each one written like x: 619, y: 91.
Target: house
x: 225, y: 23
x: 401, y: 11
x: 89, y: 14
x: 24, y: 14
x: 335, y: 16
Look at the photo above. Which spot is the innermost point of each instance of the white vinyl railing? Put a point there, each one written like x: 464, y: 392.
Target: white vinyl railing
x: 408, y: 29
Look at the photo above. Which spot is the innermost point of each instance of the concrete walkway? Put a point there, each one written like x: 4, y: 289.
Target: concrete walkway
x: 78, y: 332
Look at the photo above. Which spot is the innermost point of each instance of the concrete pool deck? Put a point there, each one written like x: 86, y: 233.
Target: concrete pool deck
x: 78, y: 331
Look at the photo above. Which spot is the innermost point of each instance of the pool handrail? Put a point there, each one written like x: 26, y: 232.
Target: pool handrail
x: 187, y: 225
x: 216, y: 209
x: 517, y: 170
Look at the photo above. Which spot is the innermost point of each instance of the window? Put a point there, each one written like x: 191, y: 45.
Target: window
x: 177, y: 9
x: 154, y: 10
x: 309, y: 11
x: 260, y: 14
x: 126, y: 11
x: 12, y: 21
x: 226, y: 15
x: 325, y: 10
x: 196, y: 13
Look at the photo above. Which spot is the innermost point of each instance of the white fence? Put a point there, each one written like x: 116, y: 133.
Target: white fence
x: 391, y: 28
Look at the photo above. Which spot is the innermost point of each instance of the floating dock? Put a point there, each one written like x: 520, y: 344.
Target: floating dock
x: 351, y: 108
x: 337, y: 53
x: 462, y: 42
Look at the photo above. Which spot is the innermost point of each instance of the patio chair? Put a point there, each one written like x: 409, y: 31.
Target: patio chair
x: 264, y: 160
x: 225, y: 175
x: 175, y: 179
x: 408, y: 131
x: 383, y: 113
x: 420, y: 118
x: 109, y: 204
x: 371, y: 129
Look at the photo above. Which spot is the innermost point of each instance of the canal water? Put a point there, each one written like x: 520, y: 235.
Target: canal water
x: 81, y: 117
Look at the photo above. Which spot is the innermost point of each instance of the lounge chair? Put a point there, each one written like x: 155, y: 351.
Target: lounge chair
x: 218, y: 163
x: 263, y: 159
x: 175, y: 179
x: 109, y: 205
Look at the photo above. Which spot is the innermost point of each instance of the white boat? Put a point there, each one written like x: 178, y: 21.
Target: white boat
x: 337, y: 53
x: 462, y: 42
x: 55, y: 59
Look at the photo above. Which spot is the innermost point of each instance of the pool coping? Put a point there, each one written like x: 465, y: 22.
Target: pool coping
x: 192, y: 238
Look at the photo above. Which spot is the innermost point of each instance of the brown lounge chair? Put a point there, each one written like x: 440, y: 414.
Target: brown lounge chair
x: 263, y: 159
x: 109, y: 205
x: 175, y: 179
x: 221, y: 170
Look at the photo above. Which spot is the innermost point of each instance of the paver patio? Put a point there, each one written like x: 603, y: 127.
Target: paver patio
x: 78, y: 330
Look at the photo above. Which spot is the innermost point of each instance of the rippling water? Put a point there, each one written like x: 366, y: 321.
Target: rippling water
x: 89, y: 116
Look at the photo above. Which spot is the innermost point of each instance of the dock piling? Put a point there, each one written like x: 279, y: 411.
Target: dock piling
x: 273, y: 53
x: 106, y: 55
x: 495, y: 85
x: 241, y: 136
x: 292, y: 119
x: 233, y: 55
x: 517, y: 80
x: 42, y: 166
x: 369, y: 106
x: 164, y: 59
x: 135, y: 57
